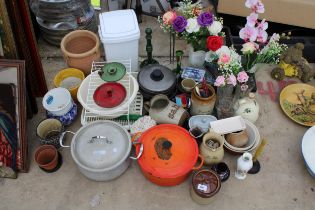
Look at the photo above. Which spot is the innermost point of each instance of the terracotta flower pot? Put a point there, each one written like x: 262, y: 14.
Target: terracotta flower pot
x: 46, y: 157
x: 80, y: 48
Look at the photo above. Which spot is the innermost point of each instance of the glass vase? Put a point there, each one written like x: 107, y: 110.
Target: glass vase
x: 196, y: 58
x: 225, y: 101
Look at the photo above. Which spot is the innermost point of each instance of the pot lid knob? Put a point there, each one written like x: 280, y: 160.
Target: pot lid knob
x: 157, y: 75
x: 166, y: 145
x: 112, y: 71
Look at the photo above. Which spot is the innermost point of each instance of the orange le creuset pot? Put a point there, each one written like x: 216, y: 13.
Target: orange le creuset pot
x: 169, y: 154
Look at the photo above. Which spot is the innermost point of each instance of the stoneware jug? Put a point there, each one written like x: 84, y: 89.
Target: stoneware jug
x: 244, y: 164
x: 248, y: 108
x: 164, y: 111
x: 212, y: 154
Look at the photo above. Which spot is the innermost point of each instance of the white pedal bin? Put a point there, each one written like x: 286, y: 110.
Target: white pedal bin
x: 120, y: 34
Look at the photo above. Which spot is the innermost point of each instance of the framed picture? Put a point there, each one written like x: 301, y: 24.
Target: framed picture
x: 13, y: 139
x: 7, y: 43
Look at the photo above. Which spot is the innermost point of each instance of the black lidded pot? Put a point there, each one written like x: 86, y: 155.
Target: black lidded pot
x: 156, y: 79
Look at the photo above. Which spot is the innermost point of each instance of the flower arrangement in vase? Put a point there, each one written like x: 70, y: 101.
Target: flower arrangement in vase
x: 231, y: 80
x: 201, y: 29
x: 257, y: 48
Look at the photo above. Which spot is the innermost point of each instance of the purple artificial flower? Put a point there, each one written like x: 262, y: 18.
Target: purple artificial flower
x: 179, y: 24
x: 205, y: 19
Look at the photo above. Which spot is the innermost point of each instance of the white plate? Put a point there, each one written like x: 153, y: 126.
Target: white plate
x: 308, y: 150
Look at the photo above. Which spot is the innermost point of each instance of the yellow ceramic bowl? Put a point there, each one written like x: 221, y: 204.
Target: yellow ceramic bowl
x: 70, y: 79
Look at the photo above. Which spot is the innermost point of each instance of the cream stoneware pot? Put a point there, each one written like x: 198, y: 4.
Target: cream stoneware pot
x: 202, y: 106
x: 211, y: 155
x: 164, y: 111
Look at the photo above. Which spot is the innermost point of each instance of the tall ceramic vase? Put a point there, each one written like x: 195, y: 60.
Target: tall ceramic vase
x: 196, y: 58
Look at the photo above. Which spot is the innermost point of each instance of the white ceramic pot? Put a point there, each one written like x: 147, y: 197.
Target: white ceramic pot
x: 196, y: 58
x: 248, y: 108
x: 244, y: 164
x: 58, y: 101
x: 101, y: 150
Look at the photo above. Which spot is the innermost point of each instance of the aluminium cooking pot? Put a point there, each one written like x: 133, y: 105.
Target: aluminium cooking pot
x: 156, y: 79
x: 169, y: 154
x: 101, y: 150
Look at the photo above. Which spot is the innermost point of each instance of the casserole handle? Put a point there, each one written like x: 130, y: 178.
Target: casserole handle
x: 134, y: 141
x: 62, y: 136
x: 200, y: 157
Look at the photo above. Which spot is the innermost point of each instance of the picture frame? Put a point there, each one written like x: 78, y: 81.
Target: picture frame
x: 12, y: 73
x: 8, y: 47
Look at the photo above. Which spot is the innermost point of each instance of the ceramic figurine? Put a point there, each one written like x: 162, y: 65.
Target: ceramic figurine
x: 248, y: 108
x: 244, y: 164
x: 149, y: 49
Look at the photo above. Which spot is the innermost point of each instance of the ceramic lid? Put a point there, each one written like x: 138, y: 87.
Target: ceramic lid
x: 118, y: 26
x: 156, y: 78
x: 201, y: 121
x: 109, y: 94
x: 56, y: 99
x: 100, y: 145
x: 169, y: 151
x: 206, y: 183
x: 112, y: 72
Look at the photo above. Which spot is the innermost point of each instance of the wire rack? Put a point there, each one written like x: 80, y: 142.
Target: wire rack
x: 127, y: 107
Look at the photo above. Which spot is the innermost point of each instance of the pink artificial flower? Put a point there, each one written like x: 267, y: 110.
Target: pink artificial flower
x: 255, y: 5
x: 275, y: 37
x: 262, y: 36
x: 252, y: 19
x: 224, y: 58
x: 220, y: 81
x: 169, y: 17
x: 249, y: 47
x: 263, y: 25
x: 248, y: 33
x: 231, y: 80
x: 242, y: 77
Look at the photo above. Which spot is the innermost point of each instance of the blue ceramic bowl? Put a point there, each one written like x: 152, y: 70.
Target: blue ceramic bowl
x: 67, y: 118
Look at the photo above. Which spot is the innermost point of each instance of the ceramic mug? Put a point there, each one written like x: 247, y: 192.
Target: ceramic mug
x: 188, y: 84
x: 164, y: 111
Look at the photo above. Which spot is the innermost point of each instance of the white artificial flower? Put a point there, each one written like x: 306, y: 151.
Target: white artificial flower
x: 223, y: 50
x: 192, y: 25
x: 215, y: 28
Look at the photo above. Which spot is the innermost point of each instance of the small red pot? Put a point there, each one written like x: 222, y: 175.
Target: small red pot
x: 46, y: 157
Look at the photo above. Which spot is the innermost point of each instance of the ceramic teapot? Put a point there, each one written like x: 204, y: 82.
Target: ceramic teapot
x: 164, y: 111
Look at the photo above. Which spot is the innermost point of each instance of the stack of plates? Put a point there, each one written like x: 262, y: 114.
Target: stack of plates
x: 253, y: 143
x: 56, y: 18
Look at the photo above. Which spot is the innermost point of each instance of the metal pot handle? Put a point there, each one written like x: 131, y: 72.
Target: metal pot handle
x: 201, y: 163
x: 62, y: 136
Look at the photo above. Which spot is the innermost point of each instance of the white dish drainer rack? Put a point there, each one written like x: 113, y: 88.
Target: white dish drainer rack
x: 130, y: 108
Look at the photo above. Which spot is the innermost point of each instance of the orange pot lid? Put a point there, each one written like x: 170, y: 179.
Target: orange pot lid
x: 168, y: 151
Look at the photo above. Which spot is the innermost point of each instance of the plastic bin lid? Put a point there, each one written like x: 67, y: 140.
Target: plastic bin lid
x: 118, y: 26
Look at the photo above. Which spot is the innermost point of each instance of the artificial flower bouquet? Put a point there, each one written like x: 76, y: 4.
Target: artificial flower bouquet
x: 257, y: 48
x: 199, y: 28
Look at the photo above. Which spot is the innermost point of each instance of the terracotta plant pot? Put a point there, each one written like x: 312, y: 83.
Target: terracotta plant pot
x: 46, y: 157
x: 80, y: 48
